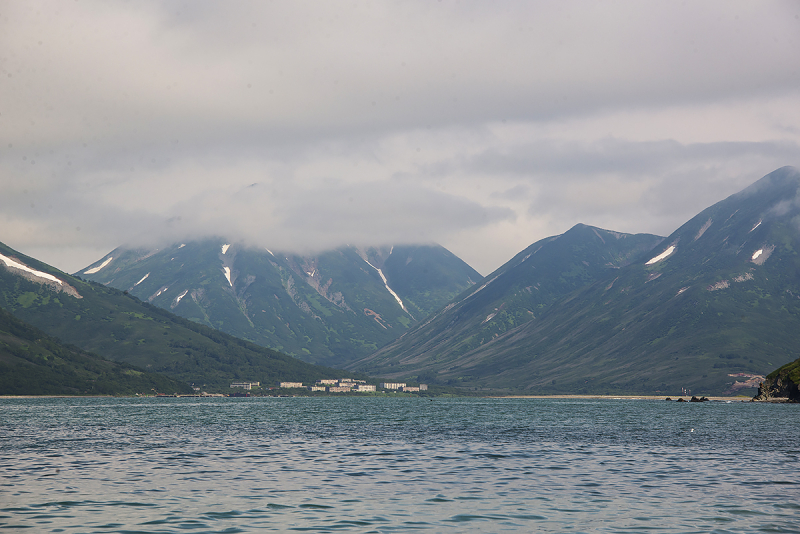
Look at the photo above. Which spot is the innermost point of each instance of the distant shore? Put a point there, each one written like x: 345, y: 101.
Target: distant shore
x: 604, y: 397
x: 622, y: 397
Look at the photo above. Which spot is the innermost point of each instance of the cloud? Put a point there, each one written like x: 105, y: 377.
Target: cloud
x: 484, y: 127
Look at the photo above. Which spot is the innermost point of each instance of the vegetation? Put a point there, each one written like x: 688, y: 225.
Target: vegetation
x: 725, y: 304
x: 33, y: 363
x: 118, y: 326
x: 329, y: 309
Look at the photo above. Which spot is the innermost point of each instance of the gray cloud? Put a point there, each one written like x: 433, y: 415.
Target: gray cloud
x: 481, y: 126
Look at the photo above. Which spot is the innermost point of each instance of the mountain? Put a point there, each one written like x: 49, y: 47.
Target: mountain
x: 328, y: 308
x: 515, y: 294
x: 120, y: 327
x: 711, y: 309
x: 33, y: 363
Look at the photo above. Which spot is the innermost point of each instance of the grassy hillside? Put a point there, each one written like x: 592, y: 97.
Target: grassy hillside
x: 329, y: 308
x: 517, y: 293
x: 33, y: 363
x: 118, y: 326
x: 716, y: 303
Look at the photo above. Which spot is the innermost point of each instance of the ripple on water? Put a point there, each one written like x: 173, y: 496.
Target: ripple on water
x: 383, y: 465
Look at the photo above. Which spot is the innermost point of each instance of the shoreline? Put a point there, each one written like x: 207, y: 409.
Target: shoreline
x: 625, y: 397
x: 561, y: 396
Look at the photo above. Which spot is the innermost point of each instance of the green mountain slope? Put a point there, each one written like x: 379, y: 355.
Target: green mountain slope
x: 513, y: 295
x: 33, y: 363
x: 717, y: 302
x: 329, y: 308
x: 119, y: 327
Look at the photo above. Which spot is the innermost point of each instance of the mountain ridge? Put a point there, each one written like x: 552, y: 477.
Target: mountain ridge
x: 118, y: 326
x: 709, y: 306
x: 517, y: 292
x: 326, y: 308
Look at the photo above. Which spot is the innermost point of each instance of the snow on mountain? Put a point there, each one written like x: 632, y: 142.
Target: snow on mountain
x: 662, y: 256
x: 94, y: 270
x: 22, y: 267
x: 389, y: 289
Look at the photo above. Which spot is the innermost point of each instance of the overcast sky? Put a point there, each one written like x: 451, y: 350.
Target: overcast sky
x: 483, y: 126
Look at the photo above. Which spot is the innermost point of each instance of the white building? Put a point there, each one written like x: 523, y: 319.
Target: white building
x: 245, y: 385
x: 291, y: 384
x: 365, y: 387
x: 392, y: 385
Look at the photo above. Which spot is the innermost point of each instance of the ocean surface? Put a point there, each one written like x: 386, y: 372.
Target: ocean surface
x: 397, y: 465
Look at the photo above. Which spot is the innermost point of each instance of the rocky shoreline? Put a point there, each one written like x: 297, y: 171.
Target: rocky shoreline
x: 781, y: 385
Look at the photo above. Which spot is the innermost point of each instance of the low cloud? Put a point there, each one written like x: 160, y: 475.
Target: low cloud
x: 483, y: 127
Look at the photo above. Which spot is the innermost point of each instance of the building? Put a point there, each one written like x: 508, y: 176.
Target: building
x: 365, y: 387
x: 410, y: 389
x: 290, y: 384
x: 317, y: 388
x: 327, y: 381
x: 245, y: 385
x: 392, y: 385
x: 423, y: 387
x: 339, y: 389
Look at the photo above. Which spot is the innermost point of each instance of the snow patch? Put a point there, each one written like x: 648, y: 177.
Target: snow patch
x: 22, y: 267
x: 389, y: 289
x: 761, y: 255
x: 681, y: 290
x: 489, y: 317
x: 756, y: 226
x: 228, y: 274
x: 96, y: 269
x: 142, y: 280
x: 177, y: 300
x: 159, y: 292
x: 662, y: 256
x: 225, y: 248
x: 270, y: 252
x: 182, y: 245
x: 744, y: 277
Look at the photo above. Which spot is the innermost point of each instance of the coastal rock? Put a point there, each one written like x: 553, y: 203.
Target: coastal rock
x: 781, y: 385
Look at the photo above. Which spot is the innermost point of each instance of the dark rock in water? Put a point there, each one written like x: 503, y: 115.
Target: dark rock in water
x: 668, y: 398
x: 781, y: 385
x: 695, y: 399
x: 681, y: 400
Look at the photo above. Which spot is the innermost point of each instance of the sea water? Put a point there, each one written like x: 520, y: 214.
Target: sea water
x: 374, y: 464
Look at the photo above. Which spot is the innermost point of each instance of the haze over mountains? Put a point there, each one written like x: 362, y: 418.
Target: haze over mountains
x: 711, y: 308
x: 330, y: 308
x: 716, y: 303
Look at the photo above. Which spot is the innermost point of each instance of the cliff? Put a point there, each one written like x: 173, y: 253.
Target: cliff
x: 781, y: 384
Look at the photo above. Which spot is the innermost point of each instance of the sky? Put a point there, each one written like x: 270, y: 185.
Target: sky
x: 301, y: 126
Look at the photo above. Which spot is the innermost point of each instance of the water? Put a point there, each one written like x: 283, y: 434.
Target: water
x: 397, y: 465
